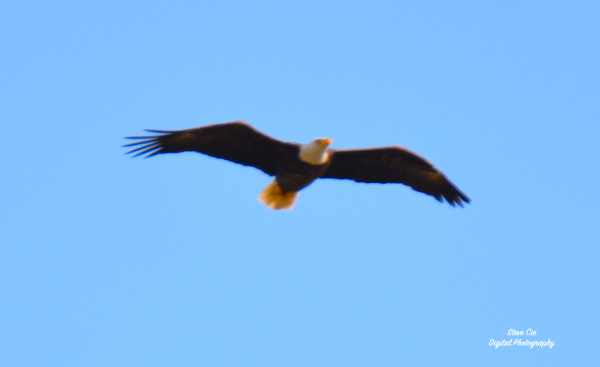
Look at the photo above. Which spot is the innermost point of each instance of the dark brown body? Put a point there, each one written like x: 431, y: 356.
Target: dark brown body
x: 298, y: 175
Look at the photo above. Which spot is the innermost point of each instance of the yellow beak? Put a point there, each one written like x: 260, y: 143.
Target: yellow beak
x: 325, y: 142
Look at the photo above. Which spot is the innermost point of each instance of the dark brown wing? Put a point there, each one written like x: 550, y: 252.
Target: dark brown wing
x: 234, y: 141
x: 394, y: 165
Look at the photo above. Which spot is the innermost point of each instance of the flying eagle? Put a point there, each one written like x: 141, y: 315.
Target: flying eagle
x: 296, y: 166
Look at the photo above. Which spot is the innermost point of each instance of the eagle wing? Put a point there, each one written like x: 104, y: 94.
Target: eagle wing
x: 394, y: 165
x: 234, y: 141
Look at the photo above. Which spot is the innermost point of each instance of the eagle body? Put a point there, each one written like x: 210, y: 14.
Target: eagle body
x: 283, y: 191
x: 296, y: 166
x: 299, y: 174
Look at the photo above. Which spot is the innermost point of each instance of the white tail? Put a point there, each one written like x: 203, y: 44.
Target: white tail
x: 273, y: 197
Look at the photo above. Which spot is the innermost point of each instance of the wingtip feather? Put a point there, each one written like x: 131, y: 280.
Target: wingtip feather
x: 160, y: 131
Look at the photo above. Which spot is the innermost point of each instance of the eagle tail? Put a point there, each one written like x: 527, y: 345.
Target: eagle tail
x: 274, y: 197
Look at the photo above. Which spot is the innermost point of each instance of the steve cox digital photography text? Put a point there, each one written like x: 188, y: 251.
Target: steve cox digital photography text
x: 520, y: 342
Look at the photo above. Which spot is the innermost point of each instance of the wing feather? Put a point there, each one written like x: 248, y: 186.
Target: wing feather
x: 234, y: 141
x: 394, y: 165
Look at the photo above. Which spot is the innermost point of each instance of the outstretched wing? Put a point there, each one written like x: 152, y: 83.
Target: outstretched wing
x: 234, y: 141
x: 394, y: 165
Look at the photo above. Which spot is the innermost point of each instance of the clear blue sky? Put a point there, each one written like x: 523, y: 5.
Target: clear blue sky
x: 111, y: 261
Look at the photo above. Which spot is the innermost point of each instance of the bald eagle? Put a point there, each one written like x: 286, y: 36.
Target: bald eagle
x: 295, y: 166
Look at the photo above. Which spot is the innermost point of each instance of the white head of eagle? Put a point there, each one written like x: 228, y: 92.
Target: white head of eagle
x: 315, y: 152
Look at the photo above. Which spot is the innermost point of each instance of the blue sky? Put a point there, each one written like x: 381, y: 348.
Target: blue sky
x: 111, y: 261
